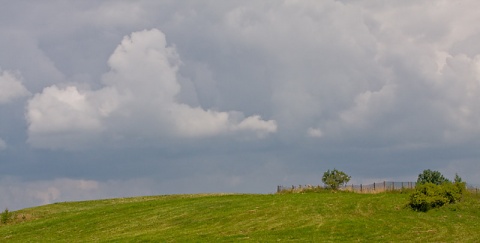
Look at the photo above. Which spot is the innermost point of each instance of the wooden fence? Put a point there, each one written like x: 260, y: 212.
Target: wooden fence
x: 361, y: 188
x: 366, y: 188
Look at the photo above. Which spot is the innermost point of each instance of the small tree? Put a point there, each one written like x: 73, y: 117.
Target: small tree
x: 333, y: 179
x: 457, y: 179
x: 428, y: 176
x: 5, y: 216
x: 460, y: 184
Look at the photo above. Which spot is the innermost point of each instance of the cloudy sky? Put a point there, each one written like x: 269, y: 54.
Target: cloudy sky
x: 104, y: 99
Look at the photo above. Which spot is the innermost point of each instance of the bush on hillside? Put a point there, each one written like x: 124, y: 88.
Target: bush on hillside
x: 429, y: 195
x: 333, y: 179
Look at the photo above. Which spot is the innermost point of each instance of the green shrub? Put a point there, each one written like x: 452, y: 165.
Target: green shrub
x: 5, y: 216
x: 429, y: 195
x: 335, y: 178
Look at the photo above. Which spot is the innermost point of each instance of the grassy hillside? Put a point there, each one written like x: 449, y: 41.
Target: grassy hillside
x: 262, y: 218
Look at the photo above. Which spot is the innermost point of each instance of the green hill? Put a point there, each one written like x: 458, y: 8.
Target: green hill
x: 310, y: 217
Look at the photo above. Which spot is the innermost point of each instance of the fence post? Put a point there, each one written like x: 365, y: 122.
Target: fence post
x: 361, y: 188
x: 384, y: 186
x: 393, y: 186
x: 374, y: 186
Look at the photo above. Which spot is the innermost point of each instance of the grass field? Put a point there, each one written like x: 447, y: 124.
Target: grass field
x: 310, y: 217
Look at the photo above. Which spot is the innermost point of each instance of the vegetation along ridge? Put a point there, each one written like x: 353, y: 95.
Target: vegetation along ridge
x: 317, y: 216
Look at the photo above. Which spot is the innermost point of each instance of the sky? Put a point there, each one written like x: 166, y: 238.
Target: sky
x: 102, y: 99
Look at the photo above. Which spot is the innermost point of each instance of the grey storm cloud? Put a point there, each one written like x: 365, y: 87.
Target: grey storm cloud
x: 177, y: 97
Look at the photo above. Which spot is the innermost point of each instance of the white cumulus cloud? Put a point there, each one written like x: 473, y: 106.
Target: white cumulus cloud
x: 138, y: 99
x: 11, y: 86
x: 62, y: 110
